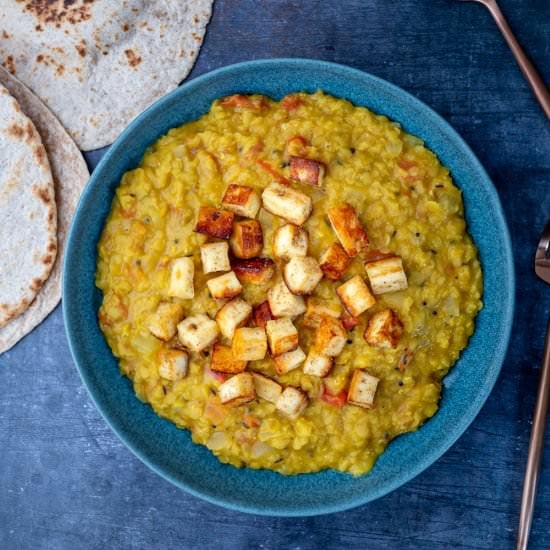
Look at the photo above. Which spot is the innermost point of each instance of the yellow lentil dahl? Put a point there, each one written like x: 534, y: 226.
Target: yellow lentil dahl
x: 406, y: 201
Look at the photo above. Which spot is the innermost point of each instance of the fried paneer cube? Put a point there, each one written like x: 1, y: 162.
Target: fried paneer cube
x: 386, y: 275
x: 317, y: 309
x: 224, y: 286
x: 287, y: 203
x: 232, y: 315
x: 238, y: 389
x: 283, y: 303
x: 330, y: 337
x: 302, y: 275
x: 318, y: 364
x: 214, y: 222
x: 334, y: 262
x: 242, y: 200
x: 282, y: 336
x: 215, y: 257
x: 308, y: 171
x: 362, y: 389
x: 198, y: 332
x: 292, y: 402
x: 249, y: 343
x: 384, y: 329
x: 247, y: 239
x: 348, y: 228
x: 266, y: 388
x: 355, y: 295
x: 289, y: 361
x: 163, y: 323
x: 256, y: 271
x: 289, y: 241
x: 182, y: 276
x: 223, y: 360
x: 173, y: 364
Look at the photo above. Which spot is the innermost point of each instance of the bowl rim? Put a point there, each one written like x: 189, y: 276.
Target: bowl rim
x: 499, y: 352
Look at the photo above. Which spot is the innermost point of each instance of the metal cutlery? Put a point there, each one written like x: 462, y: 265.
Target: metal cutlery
x: 536, y: 442
x: 527, y: 68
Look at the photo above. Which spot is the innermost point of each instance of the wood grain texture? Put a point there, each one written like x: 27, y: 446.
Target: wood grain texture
x: 66, y: 482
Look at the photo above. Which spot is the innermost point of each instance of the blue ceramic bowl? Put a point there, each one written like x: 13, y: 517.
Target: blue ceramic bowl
x: 170, y: 451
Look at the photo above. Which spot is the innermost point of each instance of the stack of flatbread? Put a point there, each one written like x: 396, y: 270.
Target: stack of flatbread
x: 98, y: 63
x: 75, y: 71
x: 42, y: 173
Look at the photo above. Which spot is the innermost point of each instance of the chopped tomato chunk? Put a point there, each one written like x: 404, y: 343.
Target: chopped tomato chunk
x: 129, y: 213
x: 406, y: 164
x: 255, y: 149
x: 243, y: 102
x: 250, y: 421
x: 291, y: 102
x: 264, y: 165
x: 336, y: 400
x: 262, y: 314
x: 349, y: 321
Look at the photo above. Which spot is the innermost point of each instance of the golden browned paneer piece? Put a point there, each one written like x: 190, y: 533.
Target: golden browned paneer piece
x: 181, y: 278
x: 266, y: 388
x: 215, y: 257
x: 386, y: 275
x: 384, y: 329
x: 238, y: 389
x: 214, y: 222
x: 355, y: 295
x: 282, y: 335
x: 163, y: 323
x: 283, y: 303
x: 262, y: 314
x: 295, y: 146
x: 362, y: 389
x: 330, y: 337
x: 247, y: 239
x: 224, y: 361
x: 249, y: 344
x: 317, y: 308
x: 289, y: 361
x: 348, y: 228
x: 289, y: 241
x: 307, y: 171
x: 232, y: 315
x: 256, y: 271
x: 198, y: 332
x: 292, y: 402
x: 173, y: 364
x: 224, y: 286
x: 302, y: 275
x: 317, y: 364
x: 287, y: 203
x: 334, y: 262
x: 242, y: 200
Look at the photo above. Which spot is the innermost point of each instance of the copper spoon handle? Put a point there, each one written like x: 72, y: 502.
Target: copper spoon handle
x: 535, y: 449
x: 527, y: 68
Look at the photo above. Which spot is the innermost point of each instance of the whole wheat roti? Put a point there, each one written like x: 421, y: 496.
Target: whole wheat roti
x: 98, y: 63
x: 28, y: 243
x: 70, y: 174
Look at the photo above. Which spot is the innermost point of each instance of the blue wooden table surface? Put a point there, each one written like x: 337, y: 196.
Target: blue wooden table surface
x: 66, y: 482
